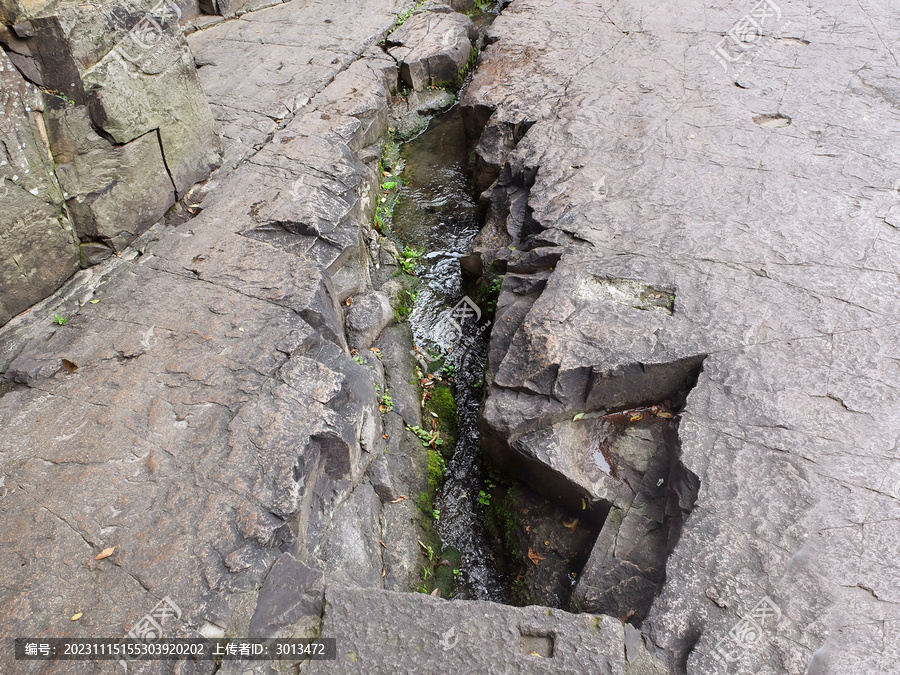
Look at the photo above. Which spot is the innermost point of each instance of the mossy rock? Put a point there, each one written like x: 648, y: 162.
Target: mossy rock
x: 443, y: 404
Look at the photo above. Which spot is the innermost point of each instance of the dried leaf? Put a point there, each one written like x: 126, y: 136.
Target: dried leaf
x: 76, y: 616
x: 534, y: 557
x: 382, y: 543
x: 383, y: 573
x: 535, y: 654
x: 637, y: 417
x: 384, y: 436
x: 71, y: 366
x: 577, y: 417
x: 571, y: 524
x: 436, y: 592
x: 399, y: 499
x: 105, y: 553
x: 665, y: 415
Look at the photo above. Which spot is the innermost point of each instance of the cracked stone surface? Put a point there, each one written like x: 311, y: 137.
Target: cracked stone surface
x: 763, y: 197
x: 265, y: 66
x: 204, y: 415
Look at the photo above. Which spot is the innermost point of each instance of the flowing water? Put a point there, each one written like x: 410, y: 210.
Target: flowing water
x: 436, y: 212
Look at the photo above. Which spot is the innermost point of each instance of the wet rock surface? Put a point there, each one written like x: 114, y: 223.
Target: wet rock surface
x: 694, y: 324
x: 641, y: 160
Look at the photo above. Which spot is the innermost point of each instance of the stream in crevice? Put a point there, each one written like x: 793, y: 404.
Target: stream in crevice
x: 436, y: 212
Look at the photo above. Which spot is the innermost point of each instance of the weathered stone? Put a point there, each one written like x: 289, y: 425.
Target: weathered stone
x: 114, y: 192
x: 129, y: 90
x: 642, y: 162
x: 38, y: 249
x: 380, y: 631
x: 290, y: 601
x: 351, y: 552
x: 432, y: 48
x: 368, y: 315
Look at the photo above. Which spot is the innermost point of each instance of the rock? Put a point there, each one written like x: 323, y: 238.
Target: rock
x: 368, y: 315
x: 141, y: 99
x: 114, y: 192
x: 351, y: 552
x: 290, y: 601
x: 379, y: 630
x: 433, y: 48
x: 38, y: 248
x: 655, y: 267
x: 380, y: 477
x: 270, y: 64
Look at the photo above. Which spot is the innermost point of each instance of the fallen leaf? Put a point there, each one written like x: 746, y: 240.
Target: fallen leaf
x: 382, y: 543
x: 94, y: 302
x: 399, y: 499
x: 571, y: 524
x: 665, y: 415
x: 577, y: 417
x: 637, y: 417
x: 76, y: 616
x: 383, y: 573
x: 105, y: 553
x: 534, y: 557
x: 436, y: 592
x: 546, y: 543
x: 434, y: 415
x: 385, y: 436
x: 535, y: 654
x: 348, y: 301
x: 71, y: 366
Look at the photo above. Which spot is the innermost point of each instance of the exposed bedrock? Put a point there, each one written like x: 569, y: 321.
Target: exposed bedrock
x: 652, y: 213
x: 106, y: 125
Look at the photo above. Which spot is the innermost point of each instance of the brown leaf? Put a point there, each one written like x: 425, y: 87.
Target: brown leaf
x: 76, y: 616
x: 665, y: 415
x: 71, y: 366
x: 534, y: 557
x: 385, y: 436
x: 571, y: 524
x: 105, y: 553
x: 637, y: 417
x: 399, y: 499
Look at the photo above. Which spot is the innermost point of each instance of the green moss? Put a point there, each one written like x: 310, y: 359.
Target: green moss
x: 436, y: 468
x: 443, y: 404
x: 456, y: 83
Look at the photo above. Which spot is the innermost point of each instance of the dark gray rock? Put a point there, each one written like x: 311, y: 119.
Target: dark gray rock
x: 384, y: 632
x: 432, y: 48
x: 367, y: 316
x: 649, y: 164
x: 290, y: 601
x: 38, y: 248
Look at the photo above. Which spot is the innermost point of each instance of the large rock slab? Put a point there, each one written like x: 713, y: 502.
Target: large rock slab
x: 385, y: 632
x: 128, y: 72
x: 38, y: 249
x: 261, y: 69
x: 625, y: 158
x: 433, y: 48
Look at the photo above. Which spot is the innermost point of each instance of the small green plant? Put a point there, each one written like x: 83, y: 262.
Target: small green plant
x: 387, y: 403
x: 449, y: 370
x: 430, y: 550
x: 484, y: 498
x: 428, y: 438
x: 408, y: 259
x: 60, y: 320
x: 360, y: 360
x: 389, y: 185
x: 404, y: 306
x: 436, y: 514
x: 457, y: 573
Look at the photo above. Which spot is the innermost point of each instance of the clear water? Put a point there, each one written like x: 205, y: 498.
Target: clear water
x: 436, y: 212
